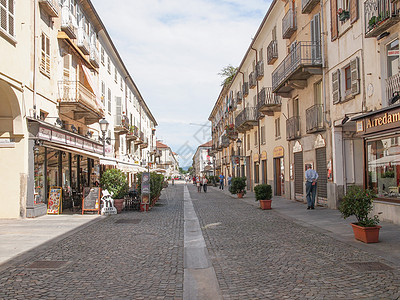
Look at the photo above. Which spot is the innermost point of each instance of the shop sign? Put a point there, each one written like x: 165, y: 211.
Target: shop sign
x: 7, y: 143
x: 79, y: 143
x: 379, y: 122
x: 256, y: 157
x: 393, y: 52
x: 70, y: 140
x: 87, y: 146
x: 98, y: 149
x: 44, y: 133
x: 278, y: 152
x: 264, y: 155
x: 58, y: 137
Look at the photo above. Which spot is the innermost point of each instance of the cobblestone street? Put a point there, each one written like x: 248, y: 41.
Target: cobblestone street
x: 255, y: 254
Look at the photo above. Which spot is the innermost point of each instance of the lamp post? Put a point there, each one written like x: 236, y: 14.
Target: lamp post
x: 239, y: 145
x: 104, y: 127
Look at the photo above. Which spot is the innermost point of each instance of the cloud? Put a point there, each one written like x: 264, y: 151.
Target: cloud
x: 174, y: 50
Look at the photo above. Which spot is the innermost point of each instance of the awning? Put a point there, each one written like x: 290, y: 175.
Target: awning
x: 92, y: 84
x: 72, y: 150
x: 124, y: 166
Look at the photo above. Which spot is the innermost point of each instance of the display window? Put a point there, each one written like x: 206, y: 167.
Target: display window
x: 39, y: 169
x: 383, y: 161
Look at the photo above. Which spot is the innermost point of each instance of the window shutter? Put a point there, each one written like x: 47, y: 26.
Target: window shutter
x: 336, y: 86
x: 353, y: 10
x: 118, y: 110
x: 355, y: 76
x: 334, y: 20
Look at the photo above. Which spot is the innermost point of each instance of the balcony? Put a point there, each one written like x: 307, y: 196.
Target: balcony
x: 308, y: 5
x: 51, y: 7
x: 75, y: 98
x: 239, y: 97
x: 392, y: 86
x: 246, y: 119
x: 293, y: 128
x: 67, y: 24
x: 234, y: 104
x: 268, y: 102
x: 133, y: 133
x: 121, y: 124
x: 289, y: 24
x: 315, y: 118
x: 83, y: 41
x: 245, y: 89
x: 252, y: 80
x: 145, y: 142
x: 224, y: 141
x: 94, y: 57
x: 260, y: 69
x: 272, y: 52
x: 218, y: 164
x: 301, y: 63
x: 380, y: 15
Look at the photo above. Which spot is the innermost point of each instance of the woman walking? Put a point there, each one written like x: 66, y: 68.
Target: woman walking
x: 205, y: 181
x: 198, y: 183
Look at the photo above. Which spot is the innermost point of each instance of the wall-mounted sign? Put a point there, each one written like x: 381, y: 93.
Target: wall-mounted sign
x: 379, y: 122
x: 393, y: 52
x: 278, y: 151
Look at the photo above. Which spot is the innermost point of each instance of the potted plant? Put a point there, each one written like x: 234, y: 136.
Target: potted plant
x: 114, y: 180
x: 358, y: 202
x: 343, y: 14
x: 372, y: 22
x: 263, y: 194
x: 238, y: 186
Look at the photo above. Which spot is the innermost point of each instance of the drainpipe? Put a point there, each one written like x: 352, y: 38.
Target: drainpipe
x: 34, y: 57
x: 323, y: 62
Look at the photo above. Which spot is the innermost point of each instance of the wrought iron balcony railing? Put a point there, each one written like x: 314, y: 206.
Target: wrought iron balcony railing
x: 392, y: 86
x: 302, y: 62
x: 252, y: 80
x: 246, y: 119
x: 293, y: 128
x: 268, y: 101
x: 67, y: 22
x: 289, y: 24
x: 83, y: 41
x: 308, y: 5
x: 245, y: 88
x: 380, y: 15
x: 260, y: 69
x: 94, y: 55
x: 121, y: 124
x: 272, y: 52
x: 239, y: 97
x: 51, y: 7
x: 315, y: 118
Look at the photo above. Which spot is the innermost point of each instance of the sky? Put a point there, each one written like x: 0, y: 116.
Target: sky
x: 174, y: 50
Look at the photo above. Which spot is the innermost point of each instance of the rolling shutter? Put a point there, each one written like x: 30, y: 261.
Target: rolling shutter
x: 355, y: 76
x: 334, y: 20
x: 336, y: 86
x: 298, y: 173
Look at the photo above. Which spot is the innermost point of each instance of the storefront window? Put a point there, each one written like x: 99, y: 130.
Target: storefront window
x: 52, y: 167
x: 383, y: 158
x: 40, y: 190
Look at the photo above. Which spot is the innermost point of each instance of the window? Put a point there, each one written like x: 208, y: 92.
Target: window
x: 248, y: 142
x: 102, y: 56
x: 260, y: 54
x: 392, y: 58
x: 67, y: 58
x: 263, y: 135
x: 109, y: 65
x: 255, y: 138
x: 7, y: 17
x: 109, y: 101
x: 318, y: 92
x: 277, y: 127
x: 255, y: 101
x: 122, y: 83
x: 115, y: 74
x: 256, y: 172
x: 347, y: 79
x: 45, y: 55
x: 103, y: 93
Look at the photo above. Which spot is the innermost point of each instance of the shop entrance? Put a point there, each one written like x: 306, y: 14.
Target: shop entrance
x: 298, y: 173
x: 279, y: 178
x: 264, y: 171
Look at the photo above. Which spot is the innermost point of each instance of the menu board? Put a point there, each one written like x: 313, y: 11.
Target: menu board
x: 54, y: 203
x: 91, y: 199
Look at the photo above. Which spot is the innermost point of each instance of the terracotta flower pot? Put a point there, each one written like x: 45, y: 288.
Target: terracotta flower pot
x: 119, y: 205
x: 265, y: 204
x: 240, y: 195
x: 366, y: 234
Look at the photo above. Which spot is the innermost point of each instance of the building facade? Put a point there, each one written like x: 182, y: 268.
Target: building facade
x: 60, y: 75
x: 202, y: 161
x: 167, y: 161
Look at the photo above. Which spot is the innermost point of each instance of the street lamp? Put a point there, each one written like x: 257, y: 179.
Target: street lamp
x: 239, y: 145
x: 104, y: 127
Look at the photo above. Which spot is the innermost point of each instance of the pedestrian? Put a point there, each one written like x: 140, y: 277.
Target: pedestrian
x: 221, y: 181
x: 311, y: 186
x: 205, y: 181
x: 229, y: 181
x: 198, y: 183
x: 194, y: 180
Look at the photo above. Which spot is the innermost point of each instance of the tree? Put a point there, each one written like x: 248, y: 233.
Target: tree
x: 182, y: 171
x: 228, y: 73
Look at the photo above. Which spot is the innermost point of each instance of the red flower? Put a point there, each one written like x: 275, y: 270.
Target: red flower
x: 340, y: 11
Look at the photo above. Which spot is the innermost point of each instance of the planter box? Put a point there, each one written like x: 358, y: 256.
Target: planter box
x: 366, y: 234
x: 265, y: 204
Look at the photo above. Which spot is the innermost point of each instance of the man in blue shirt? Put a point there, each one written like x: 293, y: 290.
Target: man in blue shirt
x: 221, y: 181
x: 311, y: 186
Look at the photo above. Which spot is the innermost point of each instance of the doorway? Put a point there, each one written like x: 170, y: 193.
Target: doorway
x: 279, y: 178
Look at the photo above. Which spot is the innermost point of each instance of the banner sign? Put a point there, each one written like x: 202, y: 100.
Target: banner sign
x: 145, y: 188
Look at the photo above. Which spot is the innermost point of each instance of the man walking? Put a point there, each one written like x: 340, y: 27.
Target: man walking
x: 221, y: 181
x: 311, y: 186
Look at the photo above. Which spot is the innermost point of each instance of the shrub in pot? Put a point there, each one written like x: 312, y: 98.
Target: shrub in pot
x: 115, y: 181
x: 238, y: 186
x: 358, y: 202
x: 263, y: 194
